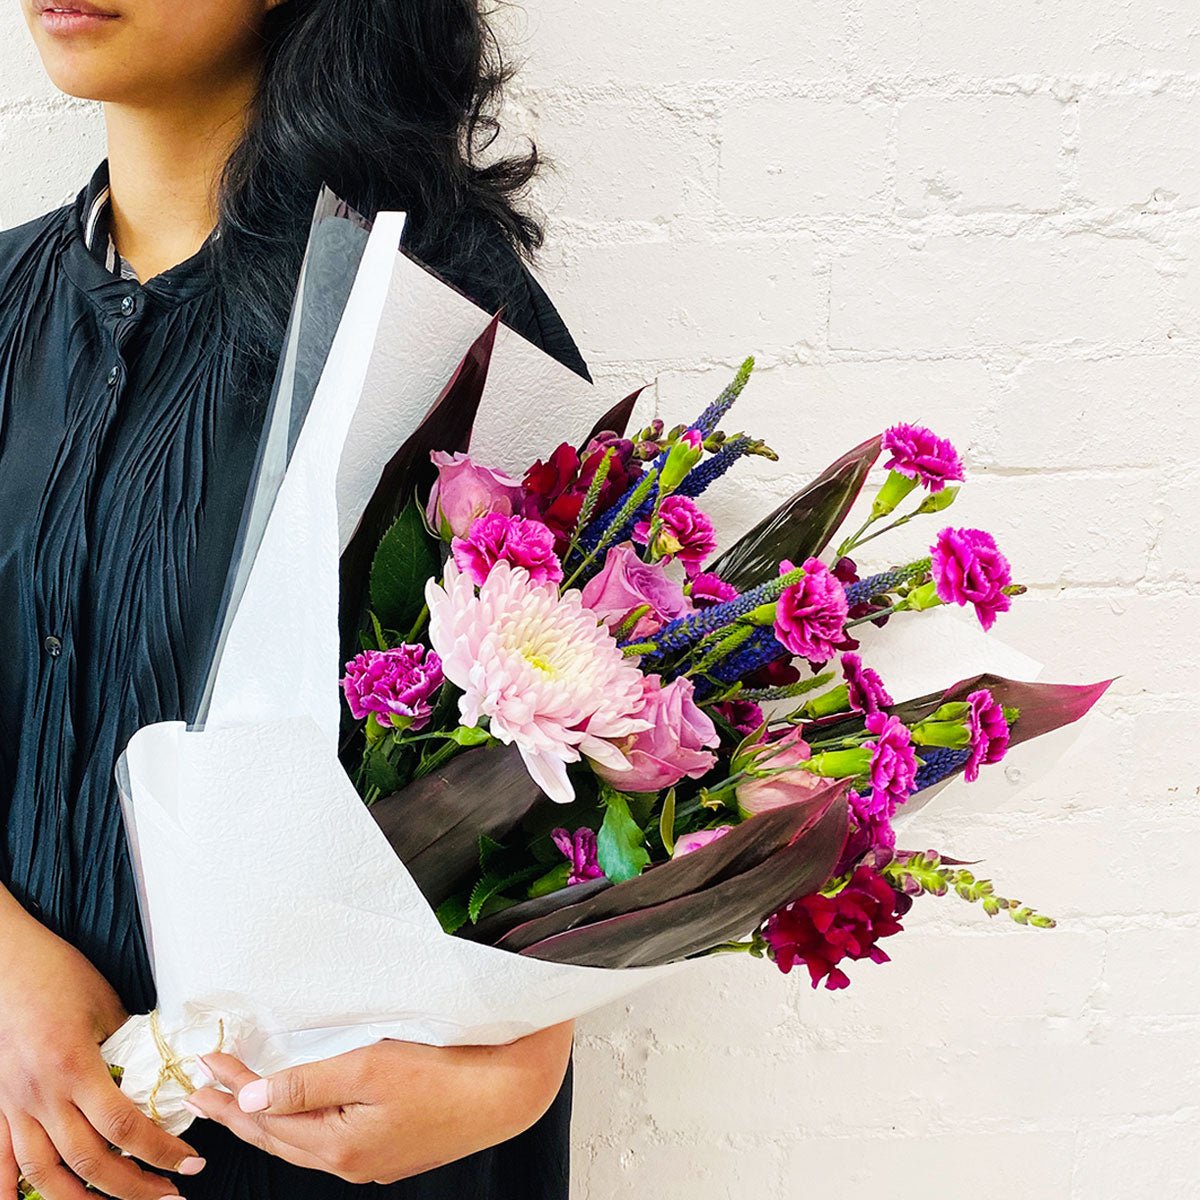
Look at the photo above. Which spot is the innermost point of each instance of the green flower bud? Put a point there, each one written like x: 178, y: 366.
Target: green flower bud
x: 895, y: 488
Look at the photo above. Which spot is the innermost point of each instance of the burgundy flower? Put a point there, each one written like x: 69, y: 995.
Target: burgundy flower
x: 496, y: 538
x: 684, y: 533
x: 707, y: 589
x: 893, y: 762
x: 743, y: 715
x: 555, y: 489
x: 397, y: 685
x: 921, y: 455
x: 821, y: 931
x: 778, y: 674
x: 810, y: 617
x: 845, y: 570
x: 969, y: 569
x: 867, y: 693
x: 581, y: 852
x: 989, y: 732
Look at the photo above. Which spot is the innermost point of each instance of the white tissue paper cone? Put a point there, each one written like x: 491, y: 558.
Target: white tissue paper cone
x: 280, y: 922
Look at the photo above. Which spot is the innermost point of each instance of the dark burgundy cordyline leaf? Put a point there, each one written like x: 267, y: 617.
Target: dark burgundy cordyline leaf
x: 616, y: 420
x: 1044, y: 707
x: 745, y: 847
x: 802, y: 526
x: 447, y: 426
x: 491, y: 929
x: 692, y: 924
x: 434, y: 824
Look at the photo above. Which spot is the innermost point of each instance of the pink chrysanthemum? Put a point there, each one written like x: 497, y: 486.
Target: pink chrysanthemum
x: 989, y: 732
x: 968, y: 568
x: 893, y: 762
x: 920, y: 454
x: 547, y: 677
x: 498, y: 538
x: 810, y: 618
x: 867, y: 693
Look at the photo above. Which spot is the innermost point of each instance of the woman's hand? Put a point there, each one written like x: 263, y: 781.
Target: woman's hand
x: 392, y: 1110
x: 60, y: 1112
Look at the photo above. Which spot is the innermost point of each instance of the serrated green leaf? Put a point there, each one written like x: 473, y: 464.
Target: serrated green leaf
x: 405, y: 561
x: 380, y: 772
x: 381, y: 642
x: 493, y: 885
x: 488, y: 849
x: 621, y: 845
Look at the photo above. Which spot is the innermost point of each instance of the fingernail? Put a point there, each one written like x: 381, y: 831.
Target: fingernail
x: 206, y: 1070
x: 191, y: 1166
x: 194, y: 1109
x: 254, y: 1097
x: 172, y: 1196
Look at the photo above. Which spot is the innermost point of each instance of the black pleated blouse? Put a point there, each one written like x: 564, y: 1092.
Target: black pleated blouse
x: 124, y: 465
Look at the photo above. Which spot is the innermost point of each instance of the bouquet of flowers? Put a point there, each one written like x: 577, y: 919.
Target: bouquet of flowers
x: 575, y: 745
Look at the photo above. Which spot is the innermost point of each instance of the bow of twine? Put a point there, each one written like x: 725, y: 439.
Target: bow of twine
x: 173, y: 1063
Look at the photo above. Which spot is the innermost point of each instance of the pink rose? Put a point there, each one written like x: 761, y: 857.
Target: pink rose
x: 697, y: 841
x: 782, y: 781
x: 676, y: 744
x: 465, y: 491
x: 625, y: 583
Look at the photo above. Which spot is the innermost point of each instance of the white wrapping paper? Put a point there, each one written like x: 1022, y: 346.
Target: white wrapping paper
x: 281, y: 924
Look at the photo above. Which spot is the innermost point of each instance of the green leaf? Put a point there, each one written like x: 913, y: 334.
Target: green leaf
x: 621, y: 845
x: 489, y: 848
x: 553, y: 881
x: 403, y: 564
x: 471, y: 736
x: 453, y: 914
x: 381, y: 642
x: 492, y: 885
x: 666, y: 823
x: 380, y: 772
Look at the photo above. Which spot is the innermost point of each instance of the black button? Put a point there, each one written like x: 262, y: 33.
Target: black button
x: 53, y: 645
x: 113, y: 376
x: 128, y: 305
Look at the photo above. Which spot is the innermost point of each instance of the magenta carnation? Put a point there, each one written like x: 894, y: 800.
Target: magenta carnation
x: 397, y: 685
x: 821, y: 931
x: 707, y: 590
x: 969, y: 569
x: 893, y: 762
x: 810, y: 617
x: 920, y: 454
x: 989, y: 732
x: 685, y: 533
x: 867, y: 693
x: 581, y: 851
x: 496, y: 538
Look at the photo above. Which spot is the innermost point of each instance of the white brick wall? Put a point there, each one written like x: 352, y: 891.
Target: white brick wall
x: 983, y: 215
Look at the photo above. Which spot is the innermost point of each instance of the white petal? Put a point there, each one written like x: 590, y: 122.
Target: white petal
x: 550, y: 774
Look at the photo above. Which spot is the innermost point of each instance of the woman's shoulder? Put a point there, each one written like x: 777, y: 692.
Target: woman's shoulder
x: 17, y: 241
x: 479, y: 260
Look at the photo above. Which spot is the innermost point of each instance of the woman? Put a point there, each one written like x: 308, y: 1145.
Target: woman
x: 129, y: 413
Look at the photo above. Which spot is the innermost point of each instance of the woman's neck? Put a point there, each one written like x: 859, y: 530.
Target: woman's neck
x: 164, y: 166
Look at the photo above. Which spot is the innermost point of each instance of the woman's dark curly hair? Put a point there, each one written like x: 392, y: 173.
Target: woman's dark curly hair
x: 389, y: 102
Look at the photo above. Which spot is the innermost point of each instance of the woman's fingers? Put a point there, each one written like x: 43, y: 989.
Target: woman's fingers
x: 262, y: 1132
x: 9, y: 1171
x: 331, y: 1083
x: 121, y: 1123
x: 89, y: 1157
x: 40, y: 1164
